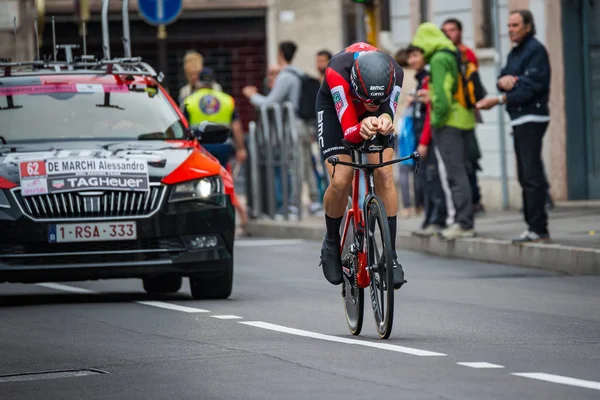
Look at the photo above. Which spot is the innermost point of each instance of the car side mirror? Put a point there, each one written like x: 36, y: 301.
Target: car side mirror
x: 211, y: 133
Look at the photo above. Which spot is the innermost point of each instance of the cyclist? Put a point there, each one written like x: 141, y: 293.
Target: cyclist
x: 357, y: 100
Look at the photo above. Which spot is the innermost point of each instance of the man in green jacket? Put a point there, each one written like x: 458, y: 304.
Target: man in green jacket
x: 451, y: 123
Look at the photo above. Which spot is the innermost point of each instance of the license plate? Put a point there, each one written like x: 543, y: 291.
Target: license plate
x: 91, y: 232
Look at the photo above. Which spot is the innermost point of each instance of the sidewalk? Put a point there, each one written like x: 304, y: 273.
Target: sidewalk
x: 574, y: 250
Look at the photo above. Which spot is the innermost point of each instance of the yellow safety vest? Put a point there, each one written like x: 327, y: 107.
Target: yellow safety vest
x: 210, y: 105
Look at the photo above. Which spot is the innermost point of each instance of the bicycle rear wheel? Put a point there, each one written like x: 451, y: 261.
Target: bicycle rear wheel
x: 354, y: 297
x: 380, y: 262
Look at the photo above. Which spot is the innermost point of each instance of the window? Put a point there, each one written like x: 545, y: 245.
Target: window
x: 485, y: 37
x: 67, y: 112
x: 424, y: 10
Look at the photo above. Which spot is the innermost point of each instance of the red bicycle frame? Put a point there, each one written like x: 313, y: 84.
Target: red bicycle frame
x: 356, y: 214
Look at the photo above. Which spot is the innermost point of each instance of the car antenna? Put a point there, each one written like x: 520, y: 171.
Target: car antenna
x: 37, y: 38
x: 105, y: 39
x: 54, y: 50
x: 126, y: 33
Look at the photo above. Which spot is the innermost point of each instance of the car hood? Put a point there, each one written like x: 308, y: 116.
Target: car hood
x: 165, y: 159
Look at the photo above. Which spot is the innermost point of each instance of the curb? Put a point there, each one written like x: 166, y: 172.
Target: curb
x: 551, y: 257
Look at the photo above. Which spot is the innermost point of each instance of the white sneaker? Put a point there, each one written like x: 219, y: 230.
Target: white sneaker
x: 454, y: 231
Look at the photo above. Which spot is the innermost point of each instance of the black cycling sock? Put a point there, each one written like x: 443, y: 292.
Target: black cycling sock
x: 333, y: 227
x: 392, y: 222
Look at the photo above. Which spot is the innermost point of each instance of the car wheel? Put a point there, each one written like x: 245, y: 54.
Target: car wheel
x: 213, y: 287
x: 162, y: 284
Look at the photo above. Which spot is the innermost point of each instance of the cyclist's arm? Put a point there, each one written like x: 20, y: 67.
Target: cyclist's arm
x: 340, y: 91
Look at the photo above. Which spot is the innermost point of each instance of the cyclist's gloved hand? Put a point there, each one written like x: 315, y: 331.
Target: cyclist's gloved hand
x: 369, y: 127
x: 386, y: 126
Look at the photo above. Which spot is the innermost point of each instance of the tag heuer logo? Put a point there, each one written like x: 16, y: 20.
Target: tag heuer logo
x: 58, y: 183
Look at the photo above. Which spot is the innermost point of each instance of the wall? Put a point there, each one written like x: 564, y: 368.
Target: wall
x: 312, y: 24
x: 23, y: 48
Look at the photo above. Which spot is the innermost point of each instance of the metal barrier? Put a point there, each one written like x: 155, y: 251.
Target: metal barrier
x: 275, y: 161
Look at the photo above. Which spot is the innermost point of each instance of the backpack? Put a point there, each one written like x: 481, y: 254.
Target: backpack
x: 309, y: 88
x: 469, y: 87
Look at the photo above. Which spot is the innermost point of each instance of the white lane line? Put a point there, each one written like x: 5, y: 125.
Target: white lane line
x: 560, y: 379
x: 383, y: 346
x: 226, y: 316
x: 174, y: 307
x: 480, y: 365
x: 159, y: 304
x: 268, y: 242
x: 64, y: 288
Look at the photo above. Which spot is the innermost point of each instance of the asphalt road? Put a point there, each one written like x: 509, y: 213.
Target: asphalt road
x: 282, y: 335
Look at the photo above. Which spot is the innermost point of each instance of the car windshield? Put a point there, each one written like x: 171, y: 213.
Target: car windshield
x: 86, y: 111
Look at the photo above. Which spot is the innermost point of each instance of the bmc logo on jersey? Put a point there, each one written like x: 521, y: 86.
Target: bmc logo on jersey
x: 377, y: 88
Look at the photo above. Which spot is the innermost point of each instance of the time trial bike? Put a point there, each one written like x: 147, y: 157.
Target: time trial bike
x: 363, y: 263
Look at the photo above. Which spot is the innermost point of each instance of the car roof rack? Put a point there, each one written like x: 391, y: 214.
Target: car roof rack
x: 85, y: 64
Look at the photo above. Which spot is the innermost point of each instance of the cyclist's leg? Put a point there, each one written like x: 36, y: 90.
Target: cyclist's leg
x: 386, y: 190
x: 335, y: 199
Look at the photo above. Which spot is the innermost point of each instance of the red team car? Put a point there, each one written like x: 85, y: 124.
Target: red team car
x: 101, y: 178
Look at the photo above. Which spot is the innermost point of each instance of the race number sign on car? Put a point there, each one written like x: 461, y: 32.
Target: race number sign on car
x: 74, y: 174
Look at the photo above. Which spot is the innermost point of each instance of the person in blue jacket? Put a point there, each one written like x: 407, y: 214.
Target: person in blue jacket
x: 525, y: 86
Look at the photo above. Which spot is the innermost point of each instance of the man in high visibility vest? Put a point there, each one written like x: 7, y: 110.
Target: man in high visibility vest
x: 208, y: 104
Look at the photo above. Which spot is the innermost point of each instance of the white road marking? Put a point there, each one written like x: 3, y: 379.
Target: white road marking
x: 560, y: 379
x: 268, y: 242
x: 159, y: 304
x: 226, y: 316
x: 480, y: 365
x: 174, y: 307
x: 383, y: 346
x: 65, y: 288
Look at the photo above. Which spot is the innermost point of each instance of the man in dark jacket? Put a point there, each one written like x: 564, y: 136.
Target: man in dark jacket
x: 525, y: 81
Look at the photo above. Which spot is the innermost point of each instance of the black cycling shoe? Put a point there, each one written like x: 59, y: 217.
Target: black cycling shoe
x: 398, y: 275
x: 331, y: 261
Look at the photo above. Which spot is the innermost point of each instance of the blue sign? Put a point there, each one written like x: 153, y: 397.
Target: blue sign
x: 160, y: 12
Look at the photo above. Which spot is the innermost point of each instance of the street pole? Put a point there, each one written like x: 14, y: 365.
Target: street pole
x: 360, y: 23
x: 372, y: 23
x: 161, y: 35
x: 502, y: 133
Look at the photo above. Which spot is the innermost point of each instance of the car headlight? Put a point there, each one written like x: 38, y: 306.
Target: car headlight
x: 3, y: 200
x: 201, y: 189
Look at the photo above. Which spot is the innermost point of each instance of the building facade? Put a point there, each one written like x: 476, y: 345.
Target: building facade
x: 238, y: 39
x: 572, y: 143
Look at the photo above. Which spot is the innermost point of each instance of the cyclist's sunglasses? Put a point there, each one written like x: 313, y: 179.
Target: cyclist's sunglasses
x: 366, y: 100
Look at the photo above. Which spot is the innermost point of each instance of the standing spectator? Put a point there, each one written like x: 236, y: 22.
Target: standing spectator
x: 269, y: 80
x: 525, y: 83
x: 451, y: 123
x: 452, y: 28
x: 428, y: 179
x: 208, y: 104
x: 408, y: 110
x: 322, y: 59
x: 287, y: 87
x: 193, y: 63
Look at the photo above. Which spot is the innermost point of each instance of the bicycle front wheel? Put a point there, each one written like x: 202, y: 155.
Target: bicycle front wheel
x: 352, y: 294
x: 380, y: 263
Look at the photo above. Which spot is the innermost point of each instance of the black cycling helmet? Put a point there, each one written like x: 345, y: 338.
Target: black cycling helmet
x: 373, y: 77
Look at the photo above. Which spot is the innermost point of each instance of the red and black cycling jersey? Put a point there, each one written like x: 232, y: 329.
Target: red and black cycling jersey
x: 349, y: 108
